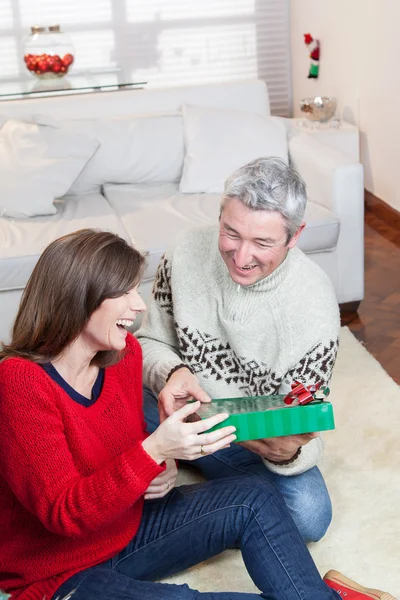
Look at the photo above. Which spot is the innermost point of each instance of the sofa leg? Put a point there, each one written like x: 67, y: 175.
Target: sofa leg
x: 349, y: 312
x: 349, y: 307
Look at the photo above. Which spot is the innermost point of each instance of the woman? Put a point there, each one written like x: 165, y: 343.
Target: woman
x: 87, y: 504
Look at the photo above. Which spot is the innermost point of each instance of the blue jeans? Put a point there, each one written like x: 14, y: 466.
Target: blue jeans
x: 305, y: 495
x: 195, y: 522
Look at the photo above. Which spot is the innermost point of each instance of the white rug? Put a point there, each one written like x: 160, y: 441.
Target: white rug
x: 362, y: 469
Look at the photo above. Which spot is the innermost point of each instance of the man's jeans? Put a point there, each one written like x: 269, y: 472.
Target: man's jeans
x: 195, y: 522
x: 305, y: 495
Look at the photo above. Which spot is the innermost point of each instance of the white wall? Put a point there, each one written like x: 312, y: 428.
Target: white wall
x: 360, y: 65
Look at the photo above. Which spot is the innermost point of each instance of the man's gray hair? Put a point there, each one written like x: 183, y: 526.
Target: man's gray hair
x: 269, y: 184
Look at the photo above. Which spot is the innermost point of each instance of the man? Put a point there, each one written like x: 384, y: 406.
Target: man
x: 240, y: 311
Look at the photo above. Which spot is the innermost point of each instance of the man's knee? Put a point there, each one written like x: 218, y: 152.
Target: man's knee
x: 312, y: 511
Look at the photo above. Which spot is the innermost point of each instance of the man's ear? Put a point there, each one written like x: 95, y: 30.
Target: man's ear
x: 296, y: 236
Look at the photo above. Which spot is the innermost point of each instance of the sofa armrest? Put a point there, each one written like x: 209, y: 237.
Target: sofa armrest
x: 336, y: 182
x: 333, y: 180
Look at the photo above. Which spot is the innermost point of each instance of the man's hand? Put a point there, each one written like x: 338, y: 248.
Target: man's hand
x: 181, y: 387
x: 279, y: 449
x: 163, y: 483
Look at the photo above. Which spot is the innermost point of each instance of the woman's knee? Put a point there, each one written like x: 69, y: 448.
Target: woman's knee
x: 251, y: 491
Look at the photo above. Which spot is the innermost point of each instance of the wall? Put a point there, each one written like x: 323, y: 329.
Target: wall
x: 359, y: 64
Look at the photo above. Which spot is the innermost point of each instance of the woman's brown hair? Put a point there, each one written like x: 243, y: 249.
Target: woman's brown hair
x: 72, y: 277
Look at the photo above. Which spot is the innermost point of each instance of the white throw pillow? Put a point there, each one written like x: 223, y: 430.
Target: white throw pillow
x: 38, y: 163
x: 136, y: 149
x: 218, y: 141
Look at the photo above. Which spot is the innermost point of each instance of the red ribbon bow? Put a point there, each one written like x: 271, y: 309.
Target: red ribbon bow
x: 302, y: 393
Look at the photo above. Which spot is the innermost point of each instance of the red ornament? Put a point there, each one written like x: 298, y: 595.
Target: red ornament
x: 68, y: 60
x: 308, y: 38
x: 42, y: 66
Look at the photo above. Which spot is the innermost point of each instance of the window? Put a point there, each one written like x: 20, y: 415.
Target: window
x: 163, y: 42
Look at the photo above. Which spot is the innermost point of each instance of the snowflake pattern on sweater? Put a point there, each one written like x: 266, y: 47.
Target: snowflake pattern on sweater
x: 208, y: 355
x: 162, y: 286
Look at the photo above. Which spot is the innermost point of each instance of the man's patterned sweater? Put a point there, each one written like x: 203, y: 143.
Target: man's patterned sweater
x: 241, y: 341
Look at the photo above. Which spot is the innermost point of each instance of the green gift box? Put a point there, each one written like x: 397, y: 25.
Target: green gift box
x: 257, y: 417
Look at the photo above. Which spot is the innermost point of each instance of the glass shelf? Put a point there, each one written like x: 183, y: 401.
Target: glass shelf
x: 73, y: 83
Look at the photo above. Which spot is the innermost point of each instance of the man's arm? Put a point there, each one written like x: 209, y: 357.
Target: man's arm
x: 163, y: 368
x: 157, y: 335
x: 315, y: 366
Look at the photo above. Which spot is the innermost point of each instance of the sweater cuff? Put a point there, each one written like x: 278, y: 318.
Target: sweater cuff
x: 176, y: 368
x: 144, y: 468
x: 307, y: 459
x: 286, y: 462
x: 162, y: 369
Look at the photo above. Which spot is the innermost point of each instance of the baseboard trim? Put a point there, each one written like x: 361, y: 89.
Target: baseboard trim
x: 381, y: 209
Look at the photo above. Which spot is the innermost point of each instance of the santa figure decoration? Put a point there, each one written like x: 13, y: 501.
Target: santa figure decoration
x: 313, y: 48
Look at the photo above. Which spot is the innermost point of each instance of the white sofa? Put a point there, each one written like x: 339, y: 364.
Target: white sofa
x: 150, y: 209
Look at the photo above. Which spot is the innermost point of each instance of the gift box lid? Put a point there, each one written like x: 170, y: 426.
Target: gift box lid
x: 257, y: 417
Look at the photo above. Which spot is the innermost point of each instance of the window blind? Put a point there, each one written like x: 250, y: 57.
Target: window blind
x: 163, y: 42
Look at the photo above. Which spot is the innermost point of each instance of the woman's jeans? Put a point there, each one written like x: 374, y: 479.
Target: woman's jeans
x: 195, y: 522
x: 305, y: 495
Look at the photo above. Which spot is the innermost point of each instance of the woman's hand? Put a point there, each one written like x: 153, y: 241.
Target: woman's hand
x: 174, y: 438
x: 163, y: 483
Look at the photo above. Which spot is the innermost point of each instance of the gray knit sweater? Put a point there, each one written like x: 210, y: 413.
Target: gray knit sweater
x: 241, y: 341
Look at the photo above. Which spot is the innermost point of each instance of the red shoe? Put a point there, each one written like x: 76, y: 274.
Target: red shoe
x: 350, y: 590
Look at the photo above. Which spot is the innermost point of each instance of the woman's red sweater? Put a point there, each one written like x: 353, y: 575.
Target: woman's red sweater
x: 72, y: 478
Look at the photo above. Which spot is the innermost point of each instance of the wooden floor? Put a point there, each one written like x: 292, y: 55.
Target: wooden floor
x: 377, y: 323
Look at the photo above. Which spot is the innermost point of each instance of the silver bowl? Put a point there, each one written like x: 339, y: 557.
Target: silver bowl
x: 318, y: 108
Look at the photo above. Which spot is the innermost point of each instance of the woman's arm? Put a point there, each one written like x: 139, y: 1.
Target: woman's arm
x: 39, y: 466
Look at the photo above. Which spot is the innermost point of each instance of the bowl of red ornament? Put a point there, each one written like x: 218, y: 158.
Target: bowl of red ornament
x: 47, y: 66
x: 48, y: 52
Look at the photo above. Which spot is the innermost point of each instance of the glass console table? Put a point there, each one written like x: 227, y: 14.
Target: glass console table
x: 87, y: 82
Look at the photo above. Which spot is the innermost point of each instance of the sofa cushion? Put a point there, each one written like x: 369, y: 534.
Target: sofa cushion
x: 154, y: 215
x: 22, y: 241
x: 38, y: 163
x: 137, y: 149
x: 218, y: 141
